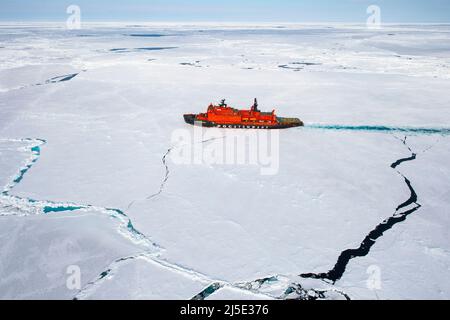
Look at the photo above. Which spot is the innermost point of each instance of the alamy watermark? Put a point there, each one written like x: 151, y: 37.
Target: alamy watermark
x: 202, y: 146
x: 373, y: 282
x: 73, y: 281
x: 73, y: 22
x: 374, y: 19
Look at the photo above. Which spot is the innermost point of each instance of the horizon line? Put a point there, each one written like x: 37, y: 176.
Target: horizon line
x: 88, y: 21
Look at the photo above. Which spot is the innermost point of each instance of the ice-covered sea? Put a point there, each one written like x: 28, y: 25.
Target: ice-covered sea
x: 358, y: 209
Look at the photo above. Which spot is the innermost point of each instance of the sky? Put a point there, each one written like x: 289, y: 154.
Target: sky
x: 298, y: 11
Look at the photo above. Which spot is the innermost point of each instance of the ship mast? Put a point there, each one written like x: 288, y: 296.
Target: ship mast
x: 255, y: 105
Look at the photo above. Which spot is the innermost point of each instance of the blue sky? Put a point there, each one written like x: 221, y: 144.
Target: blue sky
x: 228, y: 10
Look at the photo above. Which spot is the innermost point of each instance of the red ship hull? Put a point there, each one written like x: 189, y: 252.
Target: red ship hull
x: 283, y: 124
x: 223, y: 116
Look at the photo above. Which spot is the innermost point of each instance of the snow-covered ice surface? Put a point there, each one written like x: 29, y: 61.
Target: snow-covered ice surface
x: 358, y: 209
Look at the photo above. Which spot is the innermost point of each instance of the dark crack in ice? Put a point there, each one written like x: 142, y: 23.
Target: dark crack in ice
x: 297, y: 292
x: 209, y: 290
x: 344, y: 258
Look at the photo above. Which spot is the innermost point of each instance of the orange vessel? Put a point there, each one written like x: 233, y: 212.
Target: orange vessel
x: 223, y: 116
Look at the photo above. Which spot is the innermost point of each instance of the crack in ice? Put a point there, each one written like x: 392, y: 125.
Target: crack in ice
x: 57, y: 79
x: 27, y: 206
x: 297, y: 292
x: 344, y: 258
x: 166, y: 177
x: 167, y: 170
